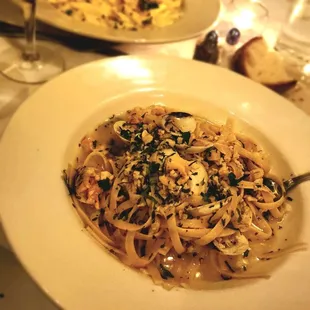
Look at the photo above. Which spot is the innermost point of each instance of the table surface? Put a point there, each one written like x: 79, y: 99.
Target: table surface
x: 19, y: 290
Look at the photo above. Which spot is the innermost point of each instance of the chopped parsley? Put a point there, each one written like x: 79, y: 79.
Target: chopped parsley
x: 208, y: 152
x: 267, y: 215
x: 246, y: 253
x: 69, y: 12
x: 126, y: 134
x: 154, y: 167
x: 124, y: 214
x: 146, y: 5
x: 71, y: 189
x: 233, y: 181
x: 248, y: 191
x: 105, y: 184
x: 186, y: 136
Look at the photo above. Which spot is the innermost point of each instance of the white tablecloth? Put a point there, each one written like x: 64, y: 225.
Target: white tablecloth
x: 20, y: 292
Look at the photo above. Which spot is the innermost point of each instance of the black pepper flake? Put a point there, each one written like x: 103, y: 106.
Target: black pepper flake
x: 195, y: 254
x: 1, y: 295
x: 289, y: 198
x: 179, y: 256
x: 280, y: 227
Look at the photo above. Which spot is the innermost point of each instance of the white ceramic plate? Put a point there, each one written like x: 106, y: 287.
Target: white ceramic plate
x: 48, y: 236
x: 199, y: 15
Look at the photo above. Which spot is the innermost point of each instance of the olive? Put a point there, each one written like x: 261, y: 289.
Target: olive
x: 233, y: 36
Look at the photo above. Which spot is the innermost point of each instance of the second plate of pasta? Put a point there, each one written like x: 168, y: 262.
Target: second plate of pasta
x: 131, y: 21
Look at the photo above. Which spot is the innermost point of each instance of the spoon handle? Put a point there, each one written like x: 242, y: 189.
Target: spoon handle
x: 291, y: 183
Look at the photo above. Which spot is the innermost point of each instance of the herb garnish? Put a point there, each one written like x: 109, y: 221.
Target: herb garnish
x: 126, y: 134
x: 208, y: 151
x: 124, y: 214
x: 233, y: 181
x: 146, y: 5
x: 246, y: 253
x: 248, y: 191
x: 266, y: 215
x: 186, y: 136
x: 69, y: 12
x: 105, y: 184
x: 154, y: 167
x: 71, y: 189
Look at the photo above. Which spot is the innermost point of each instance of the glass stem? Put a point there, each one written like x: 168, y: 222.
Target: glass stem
x: 29, y: 12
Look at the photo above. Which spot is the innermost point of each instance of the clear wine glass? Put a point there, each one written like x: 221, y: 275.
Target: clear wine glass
x: 34, y: 64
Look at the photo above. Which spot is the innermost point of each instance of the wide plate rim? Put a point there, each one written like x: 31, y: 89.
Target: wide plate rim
x: 98, y: 65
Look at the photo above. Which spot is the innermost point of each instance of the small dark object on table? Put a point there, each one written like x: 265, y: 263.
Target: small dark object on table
x: 233, y: 36
x: 207, y: 50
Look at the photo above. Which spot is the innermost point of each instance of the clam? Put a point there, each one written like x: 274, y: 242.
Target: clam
x: 123, y: 130
x: 179, y: 122
x: 198, y: 180
x: 235, y: 244
x: 86, y: 184
x: 242, y: 218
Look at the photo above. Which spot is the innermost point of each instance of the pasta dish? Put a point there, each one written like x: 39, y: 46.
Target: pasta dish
x: 177, y: 196
x: 122, y: 14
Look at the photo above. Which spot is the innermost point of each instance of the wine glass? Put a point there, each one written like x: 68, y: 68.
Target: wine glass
x: 34, y: 64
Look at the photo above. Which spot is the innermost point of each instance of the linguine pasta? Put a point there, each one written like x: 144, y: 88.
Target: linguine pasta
x: 122, y: 14
x: 176, y: 196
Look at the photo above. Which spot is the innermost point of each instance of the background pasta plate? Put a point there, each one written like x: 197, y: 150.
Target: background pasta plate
x: 198, y: 17
x: 43, y: 136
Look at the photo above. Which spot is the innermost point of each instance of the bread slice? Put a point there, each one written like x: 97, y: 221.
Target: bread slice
x: 256, y: 61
